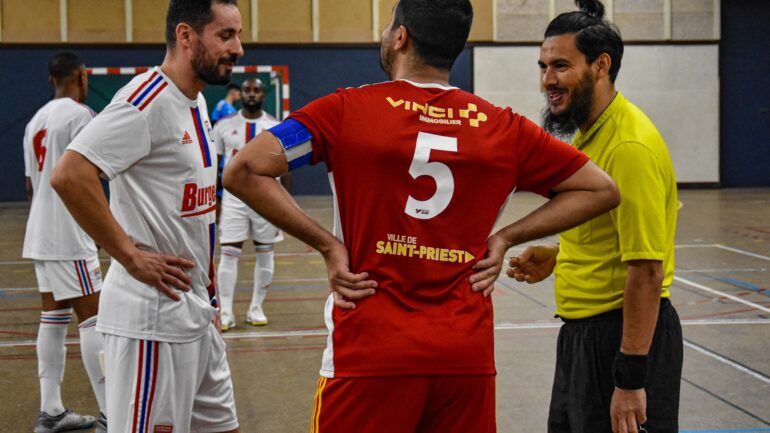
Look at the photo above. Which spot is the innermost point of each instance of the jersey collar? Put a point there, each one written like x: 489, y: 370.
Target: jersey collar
x: 581, y: 139
x: 429, y: 85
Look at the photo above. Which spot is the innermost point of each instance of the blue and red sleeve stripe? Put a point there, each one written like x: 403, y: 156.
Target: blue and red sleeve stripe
x: 202, y: 141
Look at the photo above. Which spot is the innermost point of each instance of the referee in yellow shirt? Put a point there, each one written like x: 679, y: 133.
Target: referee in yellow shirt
x: 619, y: 354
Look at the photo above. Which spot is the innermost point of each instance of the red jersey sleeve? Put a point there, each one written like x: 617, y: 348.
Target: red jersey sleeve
x: 323, y: 118
x: 544, y: 161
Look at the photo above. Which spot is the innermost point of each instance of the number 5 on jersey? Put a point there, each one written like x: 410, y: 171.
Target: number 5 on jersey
x: 441, y: 174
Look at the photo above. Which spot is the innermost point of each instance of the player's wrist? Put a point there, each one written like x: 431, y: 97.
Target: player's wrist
x: 629, y: 371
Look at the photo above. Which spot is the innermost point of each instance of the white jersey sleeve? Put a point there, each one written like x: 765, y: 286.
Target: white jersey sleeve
x: 104, y: 142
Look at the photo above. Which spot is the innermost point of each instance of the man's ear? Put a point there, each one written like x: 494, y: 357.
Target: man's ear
x: 401, y: 38
x: 184, y: 35
x: 603, y: 63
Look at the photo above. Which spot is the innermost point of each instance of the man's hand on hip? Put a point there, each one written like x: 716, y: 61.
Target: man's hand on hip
x: 345, y: 285
x: 165, y: 273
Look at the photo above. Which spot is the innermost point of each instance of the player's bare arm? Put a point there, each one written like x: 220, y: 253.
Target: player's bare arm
x: 641, y: 298
x: 76, y: 180
x: 28, y: 187
x: 589, y: 192
x: 250, y: 176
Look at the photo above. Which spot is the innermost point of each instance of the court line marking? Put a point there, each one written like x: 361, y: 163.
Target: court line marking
x: 717, y: 270
x: 729, y: 430
x: 745, y: 253
x: 723, y: 400
x: 696, y: 246
x: 751, y: 372
x: 253, y: 335
x: 721, y: 294
x: 275, y: 280
x: 107, y: 259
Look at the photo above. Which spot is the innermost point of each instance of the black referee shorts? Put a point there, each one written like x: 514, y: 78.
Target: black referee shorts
x: 583, y: 385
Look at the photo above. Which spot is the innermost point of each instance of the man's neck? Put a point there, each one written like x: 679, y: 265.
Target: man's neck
x: 182, y: 75
x: 251, y: 115
x: 419, y: 73
x: 67, y: 92
x: 602, y: 100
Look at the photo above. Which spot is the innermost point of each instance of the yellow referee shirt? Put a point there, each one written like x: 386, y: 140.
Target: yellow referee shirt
x: 590, y: 270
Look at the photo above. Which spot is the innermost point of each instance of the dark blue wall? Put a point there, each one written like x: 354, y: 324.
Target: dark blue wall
x: 314, y: 72
x: 744, y: 56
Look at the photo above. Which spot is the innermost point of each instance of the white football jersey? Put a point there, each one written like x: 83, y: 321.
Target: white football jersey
x: 52, y: 233
x: 154, y: 145
x: 230, y: 135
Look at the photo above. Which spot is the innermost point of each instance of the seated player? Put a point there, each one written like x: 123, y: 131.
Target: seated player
x: 237, y: 222
x: 66, y: 262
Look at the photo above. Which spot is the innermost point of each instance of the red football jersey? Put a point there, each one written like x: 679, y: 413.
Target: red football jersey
x: 420, y: 174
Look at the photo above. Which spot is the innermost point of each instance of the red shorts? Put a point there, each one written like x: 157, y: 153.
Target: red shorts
x: 422, y: 404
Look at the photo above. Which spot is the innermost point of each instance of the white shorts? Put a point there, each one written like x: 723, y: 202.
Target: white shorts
x: 68, y: 279
x: 157, y: 387
x: 237, y: 224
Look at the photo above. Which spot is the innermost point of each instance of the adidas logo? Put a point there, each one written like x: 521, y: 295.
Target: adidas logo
x: 187, y: 139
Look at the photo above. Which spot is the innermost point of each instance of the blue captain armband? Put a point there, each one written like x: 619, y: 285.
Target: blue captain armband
x: 295, y: 140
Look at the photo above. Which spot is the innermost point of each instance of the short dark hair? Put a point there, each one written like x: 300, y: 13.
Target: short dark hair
x: 594, y: 35
x: 438, y: 28
x: 196, y: 13
x: 63, y: 64
x: 233, y: 86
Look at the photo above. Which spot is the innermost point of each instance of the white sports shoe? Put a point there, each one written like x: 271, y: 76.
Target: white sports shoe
x: 255, y: 316
x: 66, y: 421
x: 228, y: 320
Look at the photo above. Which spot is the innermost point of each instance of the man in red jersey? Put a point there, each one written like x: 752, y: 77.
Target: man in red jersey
x: 420, y: 172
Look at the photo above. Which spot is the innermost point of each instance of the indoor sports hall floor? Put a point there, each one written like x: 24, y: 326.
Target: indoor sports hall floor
x: 722, y: 293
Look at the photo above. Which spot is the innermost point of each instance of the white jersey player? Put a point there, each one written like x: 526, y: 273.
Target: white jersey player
x: 166, y: 369
x: 66, y: 261
x: 238, y: 222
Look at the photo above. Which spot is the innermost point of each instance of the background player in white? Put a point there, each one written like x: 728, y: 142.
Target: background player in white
x: 238, y: 222
x: 166, y: 369
x: 66, y: 262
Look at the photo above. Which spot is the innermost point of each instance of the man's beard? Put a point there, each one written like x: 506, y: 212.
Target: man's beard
x: 252, y: 107
x: 386, y: 62
x: 207, y: 71
x: 577, y: 113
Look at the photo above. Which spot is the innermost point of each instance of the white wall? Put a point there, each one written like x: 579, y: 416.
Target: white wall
x: 676, y: 85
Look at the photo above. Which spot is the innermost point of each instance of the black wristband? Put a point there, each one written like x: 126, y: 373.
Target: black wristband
x: 629, y: 371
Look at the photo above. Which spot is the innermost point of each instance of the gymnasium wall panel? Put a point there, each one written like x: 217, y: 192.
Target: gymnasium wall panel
x: 30, y: 20
x: 344, y: 21
x: 245, y: 7
x: 692, y: 19
x: 521, y: 20
x: 386, y: 13
x: 149, y: 20
x: 745, y: 87
x: 640, y: 20
x: 483, y: 21
x: 285, y: 21
x: 676, y: 85
x: 96, y: 21
x: 313, y: 72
